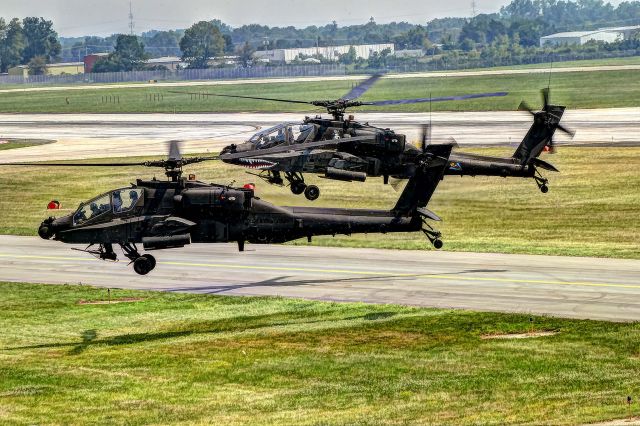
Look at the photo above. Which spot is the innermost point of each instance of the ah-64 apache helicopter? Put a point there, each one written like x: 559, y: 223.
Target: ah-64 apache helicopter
x: 179, y: 211
x: 347, y: 150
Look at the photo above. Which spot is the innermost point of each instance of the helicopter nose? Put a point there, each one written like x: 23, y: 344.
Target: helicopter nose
x: 228, y: 149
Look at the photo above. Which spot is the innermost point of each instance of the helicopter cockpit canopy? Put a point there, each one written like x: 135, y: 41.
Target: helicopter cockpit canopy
x: 283, y: 134
x: 118, y: 201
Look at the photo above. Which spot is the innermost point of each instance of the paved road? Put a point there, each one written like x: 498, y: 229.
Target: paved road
x: 570, y: 287
x: 539, y: 70
x: 111, y: 135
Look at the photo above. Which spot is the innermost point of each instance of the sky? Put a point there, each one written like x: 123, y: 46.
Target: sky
x: 74, y: 18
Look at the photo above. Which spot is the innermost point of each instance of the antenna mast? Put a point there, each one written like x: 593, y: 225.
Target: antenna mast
x: 131, y: 23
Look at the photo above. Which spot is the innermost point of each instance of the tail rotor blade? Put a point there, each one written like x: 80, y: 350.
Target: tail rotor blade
x: 570, y: 132
x: 525, y: 107
x: 545, y: 97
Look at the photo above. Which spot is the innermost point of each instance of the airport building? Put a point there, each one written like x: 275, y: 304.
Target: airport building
x: 331, y: 53
x: 71, y: 68
x: 607, y: 35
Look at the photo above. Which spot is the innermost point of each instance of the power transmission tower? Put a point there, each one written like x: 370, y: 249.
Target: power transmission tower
x: 131, y: 23
x: 473, y: 9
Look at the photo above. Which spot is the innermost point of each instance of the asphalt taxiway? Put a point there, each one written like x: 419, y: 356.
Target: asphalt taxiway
x: 81, y: 136
x: 573, y: 287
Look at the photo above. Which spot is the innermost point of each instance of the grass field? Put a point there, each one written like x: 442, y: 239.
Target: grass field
x: 19, y: 143
x: 591, y: 209
x: 195, y: 359
x: 601, y: 89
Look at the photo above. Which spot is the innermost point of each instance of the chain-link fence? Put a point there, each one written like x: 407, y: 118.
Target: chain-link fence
x: 182, y: 75
x: 445, y: 62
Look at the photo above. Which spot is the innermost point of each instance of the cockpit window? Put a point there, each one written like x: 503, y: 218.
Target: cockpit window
x: 284, y: 133
x: 93, y: 208
x: 124, y: 200
x: 303, y: 132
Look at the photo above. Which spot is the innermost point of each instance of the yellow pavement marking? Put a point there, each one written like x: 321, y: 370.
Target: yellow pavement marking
x: 352, y: 272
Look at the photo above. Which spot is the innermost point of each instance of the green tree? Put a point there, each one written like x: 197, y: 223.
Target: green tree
x: 40, y: 39
x: 129, y: 55
x: 38, y: 65
x: 11, y: 44
x: 163, y: 43
x: 245, y: 54
x: 129, y: 51
x: 229, y: 47
x: 350, y: 57
x: 201, y: 42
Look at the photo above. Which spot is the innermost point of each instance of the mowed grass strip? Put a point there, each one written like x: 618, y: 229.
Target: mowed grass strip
x: 591, y: 209
x: 20, y: 143
x: 196, y: 359
x: 592, y: 89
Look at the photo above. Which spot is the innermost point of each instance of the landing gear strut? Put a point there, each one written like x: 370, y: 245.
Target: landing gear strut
x: 541, y: 182
x: 142, y: 264
x: 433, y: 235
x: 297, y: 185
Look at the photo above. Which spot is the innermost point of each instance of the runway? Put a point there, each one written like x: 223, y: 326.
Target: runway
x: 561, y: 286
x: 80, y: 136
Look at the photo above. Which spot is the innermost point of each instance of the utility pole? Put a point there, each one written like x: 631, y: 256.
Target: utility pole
x: 131, y: 23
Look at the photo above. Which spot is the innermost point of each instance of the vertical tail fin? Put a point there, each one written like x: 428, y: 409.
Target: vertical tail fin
x: 423, y: 183
x: 540, y: 135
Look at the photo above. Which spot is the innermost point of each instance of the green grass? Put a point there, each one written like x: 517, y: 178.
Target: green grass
x: 195, y: 359
x: 630, y: 60
x: 20, y: 143
x: 597, y: 89
x: 591, y: 209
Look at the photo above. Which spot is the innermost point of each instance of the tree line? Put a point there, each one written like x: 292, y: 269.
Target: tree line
x: 512, y: 32
x: 31, y: 41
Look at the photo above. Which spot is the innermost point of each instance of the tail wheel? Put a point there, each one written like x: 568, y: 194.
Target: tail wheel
x: 312, y: 192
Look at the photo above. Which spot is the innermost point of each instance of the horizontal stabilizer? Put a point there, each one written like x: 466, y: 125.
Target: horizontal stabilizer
x: 544, y: 165
x: 429, y: 214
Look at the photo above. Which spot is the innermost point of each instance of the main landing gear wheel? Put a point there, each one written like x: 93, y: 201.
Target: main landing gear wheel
x: 144, y: 264
x: 544, y: 188
x: 298, y: 187
x: 438, y: 244
x: 312, y: 192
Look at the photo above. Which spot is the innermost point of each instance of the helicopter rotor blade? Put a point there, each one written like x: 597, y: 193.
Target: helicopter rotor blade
x: 440, y: 99
x: 174, y: 151
x: 43, y: 164
x: 425, y: 137
x: 244, y: 97
x: 362, y: 88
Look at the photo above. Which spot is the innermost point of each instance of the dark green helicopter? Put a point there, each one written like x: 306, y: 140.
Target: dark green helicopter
x: 347, y: 150
x: 164, y: 214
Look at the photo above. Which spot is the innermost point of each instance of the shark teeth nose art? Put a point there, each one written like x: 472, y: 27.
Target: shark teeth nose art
x: 256, y: 163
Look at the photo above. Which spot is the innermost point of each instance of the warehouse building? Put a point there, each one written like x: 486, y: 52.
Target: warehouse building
x: 52, y: 69
x: 331, y: 53
x: 607, y: 35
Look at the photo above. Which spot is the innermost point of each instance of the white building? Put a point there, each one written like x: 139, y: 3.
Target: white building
x: 331, y: 53
x: 608, y: 35
x: 409, y: 53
